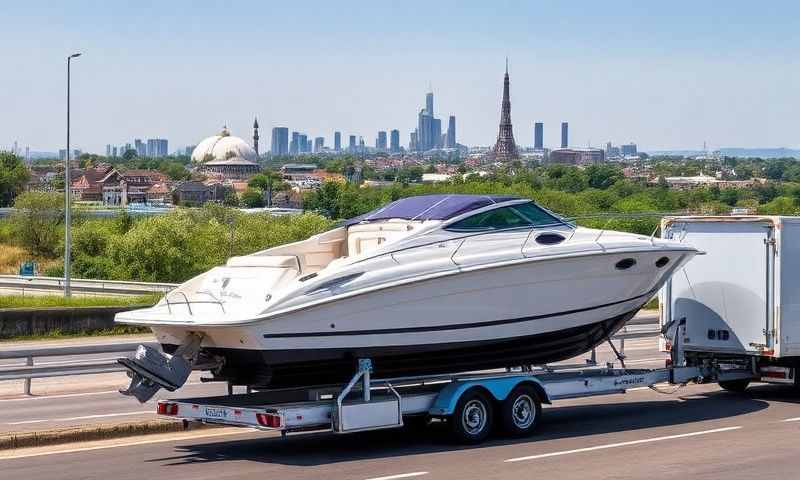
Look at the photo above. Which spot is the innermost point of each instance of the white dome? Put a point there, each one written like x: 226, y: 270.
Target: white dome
x: 223, y: 147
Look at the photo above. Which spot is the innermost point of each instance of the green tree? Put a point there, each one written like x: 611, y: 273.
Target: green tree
x: 37, y: 222
x: 13, y: 176
x: 252, y: 198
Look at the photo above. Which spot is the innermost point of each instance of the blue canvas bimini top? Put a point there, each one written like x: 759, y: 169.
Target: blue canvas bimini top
x: 430, y: 207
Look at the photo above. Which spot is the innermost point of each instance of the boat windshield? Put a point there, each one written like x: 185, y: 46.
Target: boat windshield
x: 524, y: 215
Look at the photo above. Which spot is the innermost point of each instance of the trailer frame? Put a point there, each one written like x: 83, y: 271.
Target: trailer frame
x: 366, y: 403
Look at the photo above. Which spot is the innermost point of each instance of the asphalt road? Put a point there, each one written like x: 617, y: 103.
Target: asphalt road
x: 701, y: 432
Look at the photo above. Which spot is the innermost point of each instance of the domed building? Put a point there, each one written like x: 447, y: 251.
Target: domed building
x: 227, y: 156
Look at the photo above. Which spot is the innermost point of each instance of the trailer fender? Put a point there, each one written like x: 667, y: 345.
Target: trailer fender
x: 498, y: 388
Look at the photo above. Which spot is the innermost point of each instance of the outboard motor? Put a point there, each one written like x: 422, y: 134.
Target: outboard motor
x: 151, y: 370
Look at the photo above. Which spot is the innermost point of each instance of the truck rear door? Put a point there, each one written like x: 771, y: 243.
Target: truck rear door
x: 726, y: 294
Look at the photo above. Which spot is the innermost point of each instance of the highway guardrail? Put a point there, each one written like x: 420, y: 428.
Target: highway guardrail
x: 82, y: 285
x: 30, y: 370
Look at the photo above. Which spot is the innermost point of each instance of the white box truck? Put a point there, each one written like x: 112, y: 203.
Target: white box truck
x: 740, y: 301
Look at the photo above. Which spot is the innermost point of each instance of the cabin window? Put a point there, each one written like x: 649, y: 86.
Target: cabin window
x: 515, y: 216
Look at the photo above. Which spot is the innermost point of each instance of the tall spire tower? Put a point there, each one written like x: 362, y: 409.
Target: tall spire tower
x: 505, y: 148
x: 255, y: 136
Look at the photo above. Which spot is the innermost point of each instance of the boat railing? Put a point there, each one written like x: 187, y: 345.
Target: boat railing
x: 189, y: 303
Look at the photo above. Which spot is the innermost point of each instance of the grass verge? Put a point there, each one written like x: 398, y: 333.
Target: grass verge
x: 58, y: 334
x: 44, y: 301
x: 92, y: 433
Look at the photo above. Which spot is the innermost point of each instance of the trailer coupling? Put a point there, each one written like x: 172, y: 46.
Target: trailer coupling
x: 151, y: 370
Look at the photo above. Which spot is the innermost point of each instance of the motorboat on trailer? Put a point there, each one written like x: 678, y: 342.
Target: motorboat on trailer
x: 424, y: 285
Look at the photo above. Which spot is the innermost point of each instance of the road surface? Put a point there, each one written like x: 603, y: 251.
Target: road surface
x: 701, y: 433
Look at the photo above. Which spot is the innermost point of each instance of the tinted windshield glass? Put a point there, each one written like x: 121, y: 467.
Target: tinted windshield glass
x: 524, y: 215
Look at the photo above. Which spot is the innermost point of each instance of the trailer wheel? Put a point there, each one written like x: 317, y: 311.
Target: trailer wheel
x: 472, y: 418
x: 738, y: 386
x: 520, y: 411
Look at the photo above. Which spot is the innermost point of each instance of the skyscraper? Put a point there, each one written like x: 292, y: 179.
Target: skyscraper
x: 538, y: 136
x: 108, y: 150
x: 436, y: 133
x: 280, y: 141
x: 337, y: 141
x: 141, y: 147
x: 303, y: 146
x: 424, y: 130
x: 451, y: 132
x: 157, y: 147
x: 564, y: 134
x: 319, y: 144
x: 429, y: 103
x: 352, y: 144
x: 294, y: 147
x: 394, y: 141
x: 380, y: 142
x: 505, y: 148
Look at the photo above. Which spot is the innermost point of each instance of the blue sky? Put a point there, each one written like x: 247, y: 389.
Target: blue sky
x: 665, y: 75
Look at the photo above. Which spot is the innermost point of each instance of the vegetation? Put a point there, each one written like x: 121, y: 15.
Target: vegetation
x: 13, y: 176
x: 35, y: 301
x: 57, y: 334
x: 179, y: 245
x: 37, y: 222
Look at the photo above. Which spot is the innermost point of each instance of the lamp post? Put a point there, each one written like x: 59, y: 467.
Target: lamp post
x: 67, y: 195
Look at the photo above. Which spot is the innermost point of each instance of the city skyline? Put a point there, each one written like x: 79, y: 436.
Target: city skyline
x: 619, y: 71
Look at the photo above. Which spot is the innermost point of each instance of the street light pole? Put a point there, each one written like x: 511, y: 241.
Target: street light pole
x: 67, y: 194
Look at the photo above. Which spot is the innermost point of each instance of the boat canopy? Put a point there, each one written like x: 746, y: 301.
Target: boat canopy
x: 430, y: 207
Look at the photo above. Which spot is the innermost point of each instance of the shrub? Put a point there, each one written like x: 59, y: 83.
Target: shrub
x: 37, y: 222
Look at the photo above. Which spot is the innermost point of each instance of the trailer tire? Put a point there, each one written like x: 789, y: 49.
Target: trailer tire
x: 738, y: 386
x: 520, y: 412
x: 472, y: 418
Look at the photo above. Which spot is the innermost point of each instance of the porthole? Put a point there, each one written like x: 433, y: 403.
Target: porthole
x: 625, y: 263
x: 662, y: 261
x: 549, y: 238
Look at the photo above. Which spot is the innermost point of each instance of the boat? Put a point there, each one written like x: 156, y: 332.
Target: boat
x: 424, y: 285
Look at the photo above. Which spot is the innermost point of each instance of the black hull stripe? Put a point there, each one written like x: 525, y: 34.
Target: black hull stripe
x: 459, y: 326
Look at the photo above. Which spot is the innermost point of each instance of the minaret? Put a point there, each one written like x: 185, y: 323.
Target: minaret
x: 255, y: 136
x: 505, y: 148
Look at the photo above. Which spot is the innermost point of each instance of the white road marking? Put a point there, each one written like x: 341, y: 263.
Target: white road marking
x: 70, y: 395
x: 86, y: 417
x: 170, y: 438
x: 401, y: 475
x: 63, y: 395
x: 621, y: 444
x: 795, y: 419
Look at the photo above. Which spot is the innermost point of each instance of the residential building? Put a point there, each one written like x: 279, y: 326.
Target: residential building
x: 577, y: 156
x: 140, y: 147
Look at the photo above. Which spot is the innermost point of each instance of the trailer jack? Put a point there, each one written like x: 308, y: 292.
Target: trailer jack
x: 151, y: 370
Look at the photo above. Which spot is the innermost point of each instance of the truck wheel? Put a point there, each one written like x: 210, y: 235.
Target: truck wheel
x: 737, y: 386
x: 520, y: 411
x: 471, y: 421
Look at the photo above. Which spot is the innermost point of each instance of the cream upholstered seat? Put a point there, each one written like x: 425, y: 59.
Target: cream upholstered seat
x: 365, y: 237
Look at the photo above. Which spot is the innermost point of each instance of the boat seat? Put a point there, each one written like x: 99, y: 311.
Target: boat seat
x: 362, y: 238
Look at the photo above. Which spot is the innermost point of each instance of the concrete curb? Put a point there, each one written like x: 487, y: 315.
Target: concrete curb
x: 43, y: 438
